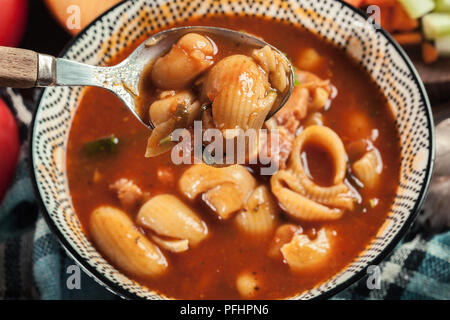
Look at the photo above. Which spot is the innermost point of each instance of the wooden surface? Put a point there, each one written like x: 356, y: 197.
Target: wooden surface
x: 18, y: 68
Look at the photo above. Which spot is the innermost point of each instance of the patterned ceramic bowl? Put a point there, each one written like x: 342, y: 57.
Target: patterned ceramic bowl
x: 330, y: 19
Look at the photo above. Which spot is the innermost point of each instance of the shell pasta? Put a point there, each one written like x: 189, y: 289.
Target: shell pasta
x: 258, y: 217
x: 168, y: 216
x: 299, y: 195
x: 172, y: 111
x: 235, y: 182
x: 326, y: 138
x: 195, y: 80
x: 189, y: 57
x: 274, y: 65
x: 298, y: 205
x: 240, y: 93
x: 117, y: 237
x: 368, y: 168
x: 303, y: 254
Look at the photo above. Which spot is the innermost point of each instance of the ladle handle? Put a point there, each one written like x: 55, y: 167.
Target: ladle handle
x: 18, y: 68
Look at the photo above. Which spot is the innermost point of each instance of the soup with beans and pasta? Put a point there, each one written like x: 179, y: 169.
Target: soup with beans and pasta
x: 195, y: 231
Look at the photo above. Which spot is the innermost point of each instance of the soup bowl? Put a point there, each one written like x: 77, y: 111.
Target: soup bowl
x: 334, y: 21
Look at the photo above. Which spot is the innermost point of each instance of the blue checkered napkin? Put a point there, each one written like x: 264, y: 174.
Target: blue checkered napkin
x: 50, y: 265
x: 417, y: 269
x: 33, y: 265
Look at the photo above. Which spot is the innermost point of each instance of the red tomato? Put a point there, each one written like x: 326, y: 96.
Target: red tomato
x: 9, y: 147
x: 13, y: 16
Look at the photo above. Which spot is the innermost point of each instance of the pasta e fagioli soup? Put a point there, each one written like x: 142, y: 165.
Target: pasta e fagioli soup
x: 194, y: 231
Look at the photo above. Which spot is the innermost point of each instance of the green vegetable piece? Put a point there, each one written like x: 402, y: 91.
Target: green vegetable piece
x: 443, y: 46
x: 443, y: 5
x: 165, y: 140
x: 417, y: 8
x: 296, y: 81
x: 436, y: 25
x: 104, y: 145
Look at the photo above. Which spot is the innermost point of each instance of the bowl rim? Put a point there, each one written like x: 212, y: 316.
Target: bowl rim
x: 123, y: 293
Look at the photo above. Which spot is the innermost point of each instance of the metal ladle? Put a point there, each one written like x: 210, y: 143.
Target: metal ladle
x: 21, y: 68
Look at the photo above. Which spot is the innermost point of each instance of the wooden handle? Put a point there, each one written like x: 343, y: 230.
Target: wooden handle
x: 18, y: 68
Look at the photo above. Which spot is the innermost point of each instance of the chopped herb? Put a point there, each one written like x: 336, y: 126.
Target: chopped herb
x: 103, y: 145
x: 296, y: 81
x: 165, y: 140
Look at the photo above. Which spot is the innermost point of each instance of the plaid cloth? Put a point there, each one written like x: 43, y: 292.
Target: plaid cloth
x: 34, y: 266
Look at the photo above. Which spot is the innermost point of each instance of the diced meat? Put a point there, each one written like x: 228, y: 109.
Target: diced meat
x: 311, y: 82
x: 311, y: 93
x: 292, y: 125
x: 286, y: 141
x: 279, y: 151
x: 295, y: 108
x: 128, y: 193
x: 166, y: 175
